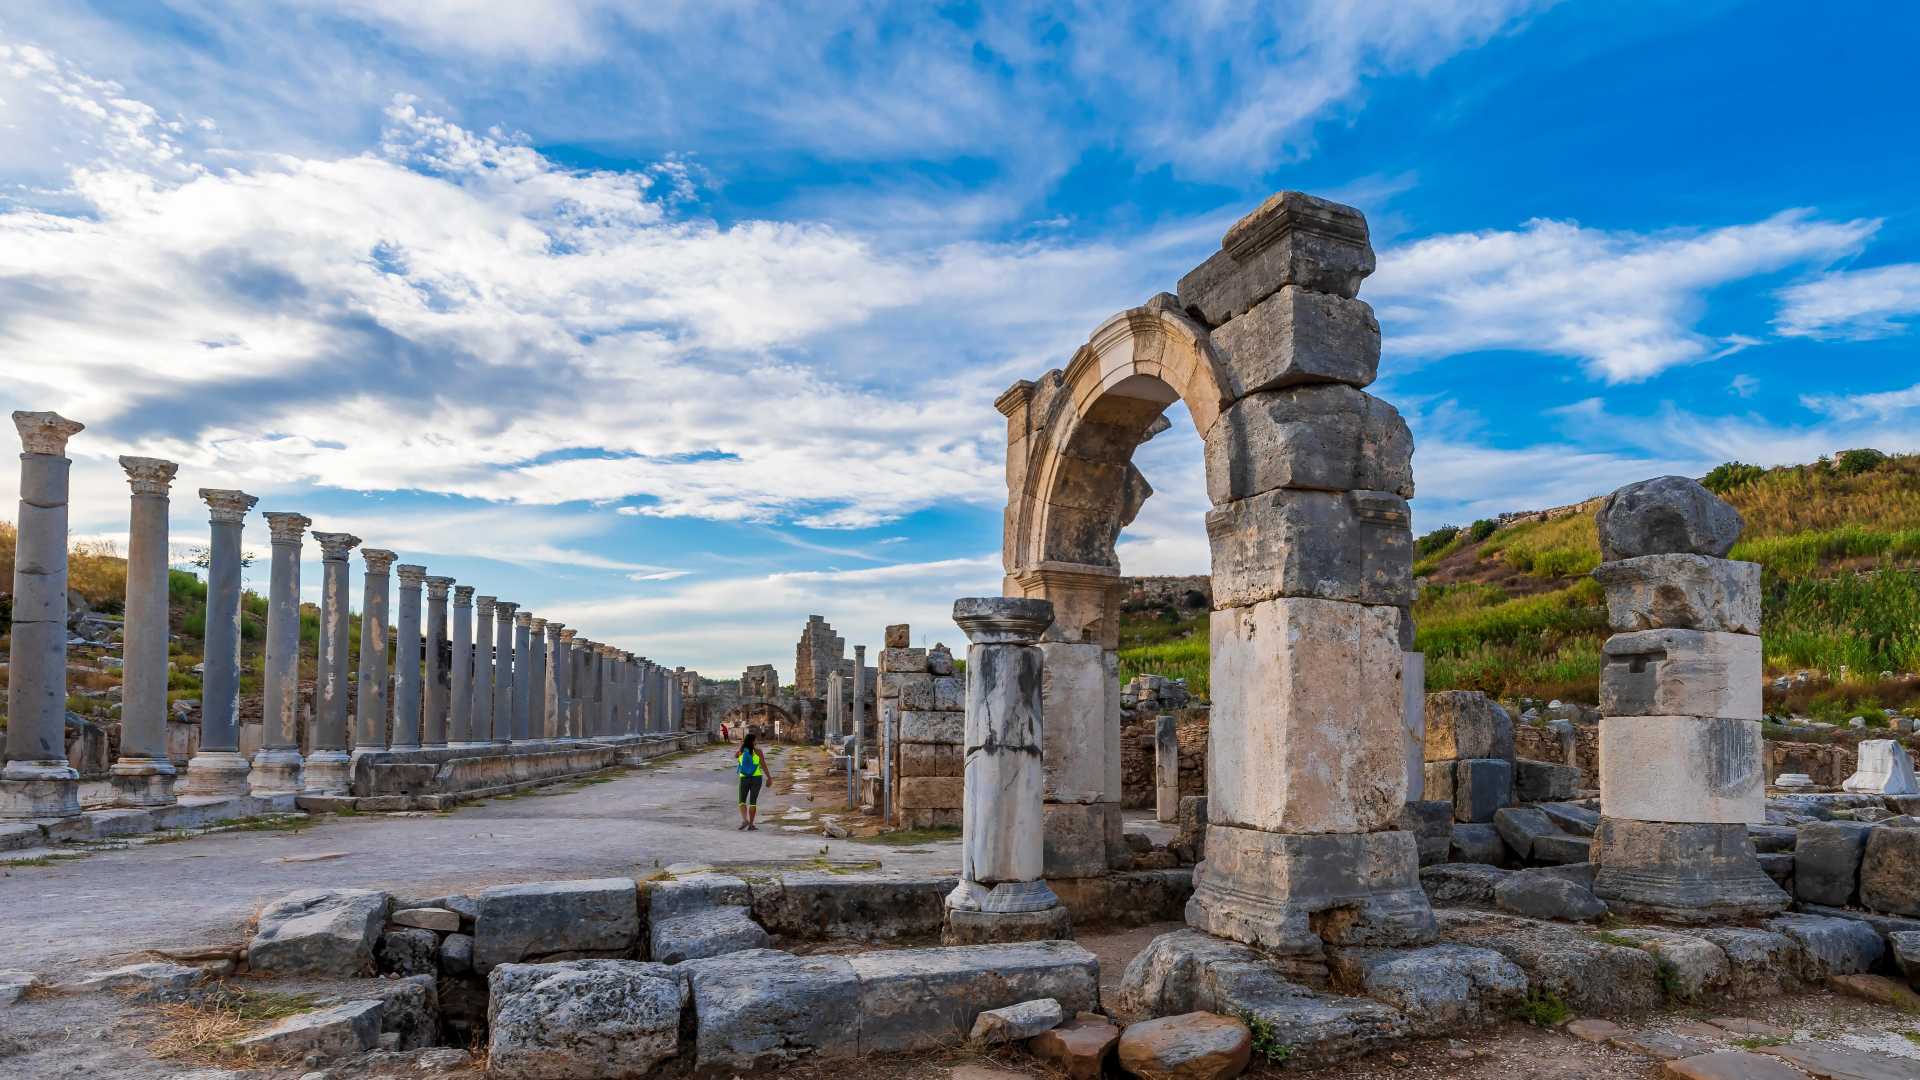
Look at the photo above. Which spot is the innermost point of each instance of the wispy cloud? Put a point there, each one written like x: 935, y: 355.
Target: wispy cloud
x: 1852, y: 304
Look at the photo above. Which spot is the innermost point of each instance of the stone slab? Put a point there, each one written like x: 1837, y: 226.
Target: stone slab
x: 1826, y: 861
x: 1681, y: 673
x: 330, y: 932
x: 762, y: 1008
x: 1290, y: 239
x: 582, y: 1018
x: 1325, y: 437
x: 555, y: 920
x: 1287, y: 893
x: 1681, y: 592
x: 1355, y: 546
x: 1683, y: 769
x: 918, y: 998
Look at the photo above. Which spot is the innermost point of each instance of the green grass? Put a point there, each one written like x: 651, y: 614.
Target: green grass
x: 1266, y: 1041
x: 42, y: 860
x: 1543, y: 1008
x: 1756, y: 1042
x: 910, y: 837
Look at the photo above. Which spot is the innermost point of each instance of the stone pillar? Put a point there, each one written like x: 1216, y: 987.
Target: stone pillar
x: 460, y: 703
x: 647, y: 714
x: 522, y: 676
x: 1002, y: 894
x: 1413, y: 684
x: 406, y: 658
x: 836, y: 707
x: 218, y: 770
x: 327, y: 761
x: 859, y: 709
x: 144, y: 776
x: 37, y: 781
x: 480, y: 722
x: 537, y: 680
x: 438, y: 679
x: 277, y: 765
x: 1682, y: 769
x: 370, y: 714
x: 1166, y: 769
x: 505, y: 674
x: 609, y: 693
x: 585, y: 670
x: 563, y: 671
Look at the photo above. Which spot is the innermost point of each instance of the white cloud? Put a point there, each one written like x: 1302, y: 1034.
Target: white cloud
x: 1848, y: 408
x: 1852, y: 304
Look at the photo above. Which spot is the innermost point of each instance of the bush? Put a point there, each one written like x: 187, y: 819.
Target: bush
x: 1855, y: 462
x: 1435, y: 540
x: 1732, y: 474
x: 1482, y: 529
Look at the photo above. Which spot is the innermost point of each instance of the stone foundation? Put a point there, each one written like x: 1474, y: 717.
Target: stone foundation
x: 1291, y: 894
x: 1686, y: 873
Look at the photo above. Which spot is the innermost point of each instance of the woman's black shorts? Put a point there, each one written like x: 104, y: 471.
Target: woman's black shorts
x: 750, y: 790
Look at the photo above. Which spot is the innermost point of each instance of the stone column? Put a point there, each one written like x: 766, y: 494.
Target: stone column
x: 37, y: 781
x: 563, y: 669
x: 859, y: 707
x: 609, y: 693
x: 522, y: 675
x: 144, y: 776
x: 370, y: 723
x: 480, y: 721
x: 1166, y: 769
x: 218, y: 770
x: 277, y: 765
x: 406, y: 658
x: 1681, y: 760
x: 836, y: 708
x: 438, y: 681
x: 537, y: 680
x: 505, y: 674
x: 554, y: 694
x: 583, y: 687
x: 327, y: 761
x: 1002, y: 895
x: 460, y: 702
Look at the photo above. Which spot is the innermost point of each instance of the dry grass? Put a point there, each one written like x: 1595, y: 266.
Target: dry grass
x: 205, y: 1030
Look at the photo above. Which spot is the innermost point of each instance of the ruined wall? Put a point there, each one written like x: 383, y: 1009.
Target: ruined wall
x: 1829, y: 764
x: 819, y: 655
x: 923, y: 700
x: 1136, y: 755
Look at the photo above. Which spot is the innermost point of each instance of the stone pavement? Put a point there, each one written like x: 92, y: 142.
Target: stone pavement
x: 116, y: 903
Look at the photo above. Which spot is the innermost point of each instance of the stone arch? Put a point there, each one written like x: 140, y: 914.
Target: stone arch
x: 758, y: 715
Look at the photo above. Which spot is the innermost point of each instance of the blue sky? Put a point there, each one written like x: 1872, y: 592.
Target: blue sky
x: 680, y: 322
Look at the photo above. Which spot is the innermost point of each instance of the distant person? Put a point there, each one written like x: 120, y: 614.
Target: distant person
x: 753, y: 776
x: 724, y: 737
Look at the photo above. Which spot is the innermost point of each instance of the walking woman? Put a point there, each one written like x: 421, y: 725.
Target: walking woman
x: 753, y: 775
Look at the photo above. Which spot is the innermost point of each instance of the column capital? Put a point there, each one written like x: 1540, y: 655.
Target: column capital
x: 336, y: 546
x: 287, y: 527
x: 46, y: 432
x: 504, y: 609
x: 463, y: 596
x: 411, y: 575
x: 229, y: 506
x: 524, y: 618
x: 1003, y: 620
x: 554, y: 628
x: 538, y: 626
x: 437, y: 587
x: 379, y: 560
x: 568, y: 636
x: 149, y: 475
x: 484, y: 605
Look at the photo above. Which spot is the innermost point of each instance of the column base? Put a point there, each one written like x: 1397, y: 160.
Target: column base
x: 216, y: 773
x: 276, y: 772
x: 139, y: 782
x: 39, y: 789
x: 1682, y: 872
x: 328, y: 771
x: 1009, y: 911
x: 1292, y: 893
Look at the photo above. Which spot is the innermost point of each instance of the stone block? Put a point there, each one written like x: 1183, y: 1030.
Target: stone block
x: 1826, y: 861
x: 930, y: 791
x: 1906, y: 953
x: 1431, y: 823
x: 1884, y: 769
x: 582, y: 1018
x: 1308, y: 693
x: 1685, y: 872
x: 321, y: 1035
x: 763, y: 1008
x: 1520, y: 826
x: 1543, y: 781
x: 695, y: 893
x: 1437, y: 782
x: 1291, y: 239
x: 319, y: 932
x: 1015, y: 1022
x: 701, y: 934
x: 1298, y: 336
x: 1562, y: 850
x: 1327, y: 437
x: 407, y: 951
x: 822, y: 906
x: 1475, y: 842
x: 1546, y: 896
x: 1759, y: 962
x: 1682, y: 769
x: 1198, y: 1044
x: 915, y: 691
x: 919, y: 998
x: 950, y: 692
x: 1441, y: 988
x: 1698, y: 965
x: 153, y: 978
x: 1829, y: 946
x: 903, y: 661
x: 456, y: 954
x: 1286, y: 893
x: 1081, y: 705
x: 966, y: 927
x: 409, y: 1011
x: 1890, y: 871
x: 1573, y: 817
x: 555, y: 920
x: 427, y: 918
x: 1078, y: 1048
x: 932, y: 759
x: 1681, y: 673
x: 1461, y: 882
x: 1481, y: 786
x: 1075, y: 841
x: 1681, y: 592
x: 1666, y: 515
x: 1460, y: 724
x: 897, y: 636
x: 1355, y: 546
x: 924, y: 726
x: 1590, y: 975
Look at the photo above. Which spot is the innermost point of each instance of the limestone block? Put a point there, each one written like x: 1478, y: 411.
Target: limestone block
x: 915, y: 691
x: 819, y: 905
x: 700, y: 934
x: 1460, y: 724
x: 1431, y: 823
x: 456, y: 954
x: 932, y: 759
x: 1437, y: 782
x: 1573, y: 817
x: 1826, y: 861
x: 918, y: 792
x: 1015, y: 1022
x: 1075, y: 842
x: 1291, y: 239
x: 1298, y: 336
x: 919, y: 998
x: 1562, y: 850
x: 144, y: 979
x: 1520, y: 826
x: 407, y: 951
x: 409, y: 1011
x: 898, y: 636
x: 582, y: 1018
x: 1198, y: 1044
x: 1687, y: 872
x: 1885, y: 769
x: 1543, y: 781
x: 555, y: 920
x: 1335, y: 545
x: 1078, y: 1048
x: 1543, y: 896
x: 763, y: 1008
x: 1906, y: 953
x: 1461, y: 882
x: 1663, y: 516
x: 1327, y: 437
x: 903, y: 661
x: 427, y: 918
x: 1441, y: 988
x: 926, y: 726
x: 321, y: 1035
x: 327, y: 932
x: 1829, y: 946
x: 950, y: 691
x: 1681, y: 673
x: 1078, y: 706
x: 1481, y: 786
x: 1307, y: 713
x: 1476, y: 842
x: 1698, y: 965
x: 1681, y: 592
x: 694, y: 894
x: 1287, y: 892
x: 1890, y: 871
x: 1681, y: 769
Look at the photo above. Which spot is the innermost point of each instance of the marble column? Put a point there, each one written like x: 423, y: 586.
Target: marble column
x: 460, y: 705
x: 609, y: 692
x: 554, y: 693
x: 505, y: 674
x: 480, y: 718
x: 277, y: 766
x: 676, y: 689
x: 537, y: 680
x: 569, y: 690
x: 438, y: 680
x: 406, y: 658
x: 1166, y: 769
x: 327, y: 759
x: 37, y: 781
x: 370, y: 726
x: 1001, y: 895
x: 580, y: 694
x: 522, y: 676
x: 143, y: 775
x: 218, y: 770
x: 859, y: 706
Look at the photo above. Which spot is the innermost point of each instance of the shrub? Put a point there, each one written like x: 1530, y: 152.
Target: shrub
x: 1725, y: 477
x: 1855, y: 462
x: 1482, y: 529
x: 1435, y: 540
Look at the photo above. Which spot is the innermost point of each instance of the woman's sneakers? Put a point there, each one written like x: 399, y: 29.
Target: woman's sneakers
x: 740, y: 827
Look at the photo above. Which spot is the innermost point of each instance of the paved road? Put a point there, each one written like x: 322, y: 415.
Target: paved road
x: 117, y: 903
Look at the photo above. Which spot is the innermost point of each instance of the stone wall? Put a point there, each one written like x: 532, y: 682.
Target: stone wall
x: 923, y: 701
x: 1136, y: 755
x: 1190, y: 591
x: 1829, y: 764
x: 817, y: 657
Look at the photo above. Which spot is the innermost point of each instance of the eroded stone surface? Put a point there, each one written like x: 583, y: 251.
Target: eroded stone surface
x: 319, y: 932
x: 1326, y: 437
x: 762, y: 1007
x: 710, y: 932
x: 323, y: 1034
x: 1010, y: 1023
x: 1590, y: 976
x: 1681, y: 673
x: 1439, y: 987
x: 1543, y: 896
x: 1890, y: 871
x: 926, y: 997
x: 1826, y: 861
x: 1079, y: 1048
x: 1688, y: 592
x: 1196, y: 1045
x: 555, y: 920
x: 582, y: 1019
x: 1666, y: 515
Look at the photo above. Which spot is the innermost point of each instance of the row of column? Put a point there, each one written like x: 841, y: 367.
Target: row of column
x: 489, y: 676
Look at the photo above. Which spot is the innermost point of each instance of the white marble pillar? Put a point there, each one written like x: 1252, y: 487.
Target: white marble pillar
x: 327, y: 761
x: 562, y: 666
x: 1166, y: 769
x: 554, y: 692
x: 480, y: 699
x: 460, y: 700
x: 537, y: 680
x: 370, y: 718
x: 143, y: 775
x: 406, y: 658
x: 277, y: 766
x: 506, y: 674
x: 438, y: 679
x: 218, y: 770
x: 522, y: 682
x: 37, y: 781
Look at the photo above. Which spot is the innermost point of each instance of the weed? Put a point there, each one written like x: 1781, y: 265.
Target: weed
x: 1670, y: 983
x: 1612, y: 938
x: 1266, y: 1042
x: 1758, y: 1041
x: 292, y: 823
x: 1911, y: 1036
x: 42, y: 860
x: 1543, y: 1008
x: 905, y: 837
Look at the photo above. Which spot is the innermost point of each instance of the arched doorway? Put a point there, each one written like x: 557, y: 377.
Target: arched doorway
x: 763, y: 718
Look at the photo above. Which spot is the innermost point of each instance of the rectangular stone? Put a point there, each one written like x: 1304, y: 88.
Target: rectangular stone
x: 915, y: 691
x: 1481, y: 786
x: 1826, y: 860
x: 1681, y: 673
x: 932, y: 759
x: 1438, y: 782
x: 924, y: 726
x: 903, y: 660
x: 1291, y: 239
x: 1543, y: 781
x: 1562, y: 850
x: 1681, y: 592
x: 760, y: 1008
x: 1074, y: 694
x: 931, y: 792
x: 1327, y: 437
x: 555, y: 920
x: 917, y: 999
x: 1460, y: 724
x: 1681, y: 769
x: 1074, y: 838
x: 1298, y: 336
x: 1263, y: 888
x: 1335, y: 545
x: 950, y: 692
x: 1307, y: 694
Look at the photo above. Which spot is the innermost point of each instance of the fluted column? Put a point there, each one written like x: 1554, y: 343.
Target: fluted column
x: 277, y: 765
x: 438, y: 680
x: 370, y: 727
x: 218, y: 769
x: 460, y: 705
x: 505, y: 674
x: 480, y: 704
x: 37, y: 780
x: 327, y: 762
x: 537, y: 680
x: 143, y: 775
x: 522, y: 676
x: 555, y: 691
x: 406, y: 658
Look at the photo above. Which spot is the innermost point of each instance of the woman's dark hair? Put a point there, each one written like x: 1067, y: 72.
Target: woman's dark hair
x: 746, y: 744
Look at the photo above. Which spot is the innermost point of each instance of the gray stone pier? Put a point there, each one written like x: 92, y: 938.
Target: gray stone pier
x: 537, y: 680
x: 37, y: 781
x: 438, y: 680
x: 460, y: 705
x: 505, y: 674
x: 406, y: 658
x: 675, y: 696
x: 522, y: 676
x: 1001, y: 895
x: 859, y: 707
x: 370, y: 726
x: 609, y: 692
x: 277, y: 765
x: 218, y: 768
x: 327, y: 752
x: 480, y: 719
x: 584, y: 661
x: 143, y: 775
x: 556, y: 688
x: 1166, y: 769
